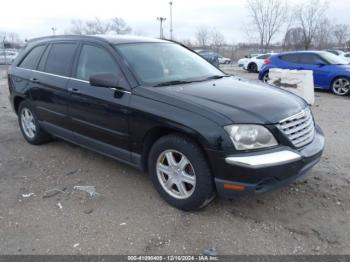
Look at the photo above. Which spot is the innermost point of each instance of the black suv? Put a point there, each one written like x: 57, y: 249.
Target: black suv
x: 162, y: 108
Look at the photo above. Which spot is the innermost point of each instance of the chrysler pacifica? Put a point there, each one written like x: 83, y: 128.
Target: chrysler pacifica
x: 162, y: 108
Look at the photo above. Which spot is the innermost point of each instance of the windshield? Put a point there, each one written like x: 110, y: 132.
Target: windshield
x: 157, y: 63
x: 333, y: 59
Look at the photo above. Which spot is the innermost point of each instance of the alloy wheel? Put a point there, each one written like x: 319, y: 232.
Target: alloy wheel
x: 266, y: 78
x: 341, y: 86
x: 176, y: 174
x: 28, y: 123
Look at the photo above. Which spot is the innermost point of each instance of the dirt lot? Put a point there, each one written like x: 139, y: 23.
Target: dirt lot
x: 128, y: 217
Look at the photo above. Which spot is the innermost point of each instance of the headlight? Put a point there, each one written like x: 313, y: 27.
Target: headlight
x: 245, y: 137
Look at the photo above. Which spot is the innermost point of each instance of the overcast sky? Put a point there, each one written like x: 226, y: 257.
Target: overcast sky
x: 32, y: 18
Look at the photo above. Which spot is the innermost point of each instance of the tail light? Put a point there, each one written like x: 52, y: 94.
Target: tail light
x: 267, y: 61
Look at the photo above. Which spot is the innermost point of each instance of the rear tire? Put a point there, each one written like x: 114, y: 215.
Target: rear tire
x: 253, y: 68
x: 29, y: 125
x: 341, y: 86
x: 188, y: 188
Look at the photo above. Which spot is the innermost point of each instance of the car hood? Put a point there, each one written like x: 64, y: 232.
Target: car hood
x: 241, y: 101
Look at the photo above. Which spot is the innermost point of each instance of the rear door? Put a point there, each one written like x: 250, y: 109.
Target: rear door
x: 49, y: 86
x: 99, y: 115
x: 21, y: 74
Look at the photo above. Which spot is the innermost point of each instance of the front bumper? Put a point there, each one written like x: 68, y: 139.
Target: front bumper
x: 253, y: 173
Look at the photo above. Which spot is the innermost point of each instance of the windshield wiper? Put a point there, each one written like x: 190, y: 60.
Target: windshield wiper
x: 216, y: 77
x: 179, y: 82
x: 174, y: 82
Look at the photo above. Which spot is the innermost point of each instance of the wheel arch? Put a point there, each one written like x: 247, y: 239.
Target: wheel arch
x: 335, y: 77
x: 157, y: 132
x: 17, y: 100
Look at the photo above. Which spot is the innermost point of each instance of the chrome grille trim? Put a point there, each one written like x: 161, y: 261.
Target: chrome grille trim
x: 299, y: 128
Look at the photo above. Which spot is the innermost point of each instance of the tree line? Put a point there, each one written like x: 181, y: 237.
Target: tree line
x: 269, y: 23
x: 96, y: 26
x: 303, y: 26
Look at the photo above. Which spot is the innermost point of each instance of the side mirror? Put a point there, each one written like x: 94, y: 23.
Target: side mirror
x: 321, y: 64
x: 104, y: 80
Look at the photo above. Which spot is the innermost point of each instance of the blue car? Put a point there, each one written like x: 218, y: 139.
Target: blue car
x: 330, y: 71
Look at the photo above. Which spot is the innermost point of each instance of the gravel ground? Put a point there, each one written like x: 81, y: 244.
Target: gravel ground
x: 41, y: 213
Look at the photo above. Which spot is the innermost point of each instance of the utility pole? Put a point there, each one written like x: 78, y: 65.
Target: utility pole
x: 53, y: 29
x: 161, y: 20
x: 4, y: 42
x: 171, y: 20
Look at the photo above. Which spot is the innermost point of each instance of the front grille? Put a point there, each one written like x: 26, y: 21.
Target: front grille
x: 299, y: 129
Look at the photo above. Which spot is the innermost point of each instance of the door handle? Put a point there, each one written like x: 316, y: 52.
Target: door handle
x: 34, y: 80
x: 73, y: 89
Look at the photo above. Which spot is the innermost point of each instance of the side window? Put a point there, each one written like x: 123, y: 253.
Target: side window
x: 310, y: 59
x: 291, y: 58
x: 94, y: 60
x: 60, y: 58
x: 31, y: 60
x: 347, y: 55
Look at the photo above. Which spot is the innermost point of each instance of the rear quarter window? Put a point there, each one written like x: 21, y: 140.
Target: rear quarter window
x: 263, y: 57
x: 30, y: 61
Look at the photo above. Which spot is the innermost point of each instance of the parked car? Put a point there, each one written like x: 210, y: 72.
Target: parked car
x: 330, y: 72
x: 346, y: 56
x: 7, y: 57
x: 211, y: 57
x: 255, y: 64
x: 334, y: 51
x: 247, y: 57
x: 164, y: 109
x: 224, y: 60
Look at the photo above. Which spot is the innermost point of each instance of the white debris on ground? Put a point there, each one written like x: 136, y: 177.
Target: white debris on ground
x: 89, y: 189
x: 27, y: 195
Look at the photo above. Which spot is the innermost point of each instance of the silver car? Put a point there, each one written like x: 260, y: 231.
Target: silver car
x: 7, y: 57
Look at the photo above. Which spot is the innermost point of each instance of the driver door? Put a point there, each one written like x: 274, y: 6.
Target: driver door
x: 310, y: 61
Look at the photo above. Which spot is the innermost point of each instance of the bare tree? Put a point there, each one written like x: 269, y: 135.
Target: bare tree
x: 267, y: 18
x: 187, y: 42
x: 294, y: 39
x: 310, y: 16
x: 347, y: 44
x: 323, y: 37
x: 119, y: 26
x: 203, y: 35
x: 13, y: 37
x: 341, y: 33
x: 96, y: 26
x: 77, y: 27
x: 217, y: 39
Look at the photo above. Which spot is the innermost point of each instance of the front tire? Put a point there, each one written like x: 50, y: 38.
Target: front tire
x: 29, y: 125
x: 341, y: 86
x: 180, y: 173
x: 266, y: 77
